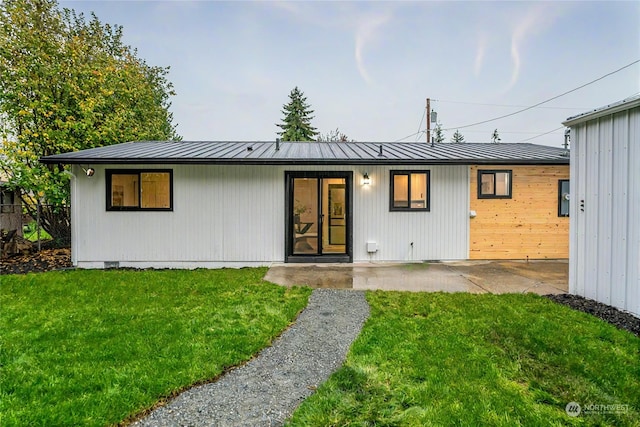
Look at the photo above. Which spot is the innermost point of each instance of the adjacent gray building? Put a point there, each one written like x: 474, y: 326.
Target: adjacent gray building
x: 604, y: 243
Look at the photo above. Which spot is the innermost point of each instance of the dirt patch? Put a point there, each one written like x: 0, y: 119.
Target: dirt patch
x: 45, y: 260
x: 618, y: 318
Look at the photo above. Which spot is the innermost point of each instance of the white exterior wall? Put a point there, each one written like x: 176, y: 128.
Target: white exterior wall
x: 604, y: 248
x: 233, y: 215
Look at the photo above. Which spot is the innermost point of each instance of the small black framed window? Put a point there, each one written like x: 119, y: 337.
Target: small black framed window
x: 410, y: 191
x: 139, y: 190
x: 494, y: 184
x: 563, y: 197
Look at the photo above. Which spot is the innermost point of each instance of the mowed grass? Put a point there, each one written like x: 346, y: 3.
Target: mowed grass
x: 479, y: 360
x: 92, y: 348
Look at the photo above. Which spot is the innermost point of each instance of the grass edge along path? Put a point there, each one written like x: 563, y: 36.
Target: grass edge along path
x: 88, y: 347
x: 496, y: 360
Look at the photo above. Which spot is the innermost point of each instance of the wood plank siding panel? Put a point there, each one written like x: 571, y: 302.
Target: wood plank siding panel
x: 233, y: 215
x: 527, y: 225
x: 605, y: 233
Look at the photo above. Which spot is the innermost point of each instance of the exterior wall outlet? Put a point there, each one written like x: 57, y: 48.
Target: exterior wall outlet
x: 372, y: 247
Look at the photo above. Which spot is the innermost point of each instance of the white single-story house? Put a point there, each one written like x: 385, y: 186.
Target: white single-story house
x: 604, y: 262
x: 232, y: 204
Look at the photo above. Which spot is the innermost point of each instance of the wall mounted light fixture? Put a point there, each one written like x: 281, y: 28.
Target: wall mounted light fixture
x: 365, y: 179
x: 89, y: 171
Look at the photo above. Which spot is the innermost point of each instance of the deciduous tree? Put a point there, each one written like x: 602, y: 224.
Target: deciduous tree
x: 334, y: 136
x: 68, y: 83
x: 495, y: 138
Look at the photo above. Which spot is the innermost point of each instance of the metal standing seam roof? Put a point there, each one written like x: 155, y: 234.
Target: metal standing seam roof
x: 616, y: 107
x: 370, y: 153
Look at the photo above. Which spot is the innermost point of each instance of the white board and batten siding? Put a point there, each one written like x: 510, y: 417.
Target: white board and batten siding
x: 234, y: 216
x: 604, y: 249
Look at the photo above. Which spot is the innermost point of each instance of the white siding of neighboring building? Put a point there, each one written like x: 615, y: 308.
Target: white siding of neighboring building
x: 233, y: 215
x: 605, y: 236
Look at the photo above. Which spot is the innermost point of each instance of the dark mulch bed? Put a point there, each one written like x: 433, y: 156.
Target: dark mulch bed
x: 45, y: 260
x: 618, y: 318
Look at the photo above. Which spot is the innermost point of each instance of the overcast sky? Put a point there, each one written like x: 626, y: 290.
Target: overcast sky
x: 368, y: 67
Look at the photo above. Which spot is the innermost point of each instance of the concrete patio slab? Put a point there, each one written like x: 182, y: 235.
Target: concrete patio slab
x: 497, y: 277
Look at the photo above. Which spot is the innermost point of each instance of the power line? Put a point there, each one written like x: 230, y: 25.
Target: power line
x: 545, y: 101
x: 509, y: 105
x: 424, y: 113
x: 409, y: 136
x: 503, y: 131
x: 542, y: 134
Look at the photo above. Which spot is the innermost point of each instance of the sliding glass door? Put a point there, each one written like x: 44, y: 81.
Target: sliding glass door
x: 318, y: 216
x: 306, y: 216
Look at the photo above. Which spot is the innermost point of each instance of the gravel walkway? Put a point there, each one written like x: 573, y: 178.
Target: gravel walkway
x: 265, y: 391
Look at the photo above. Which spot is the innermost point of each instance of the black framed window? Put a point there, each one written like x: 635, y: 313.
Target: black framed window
x: 139, y: 190
x: 494, y: 184
x: 563, y: 197
x: 410, y: 191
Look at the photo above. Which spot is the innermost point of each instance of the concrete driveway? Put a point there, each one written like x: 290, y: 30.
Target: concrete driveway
x: 497, y: 277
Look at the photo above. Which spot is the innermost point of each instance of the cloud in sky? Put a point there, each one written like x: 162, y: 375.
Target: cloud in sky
x: 366, y: 32
x: 343, y: 16
x: 480, y: 52
x: 536, y: 19
x: 368, y: 66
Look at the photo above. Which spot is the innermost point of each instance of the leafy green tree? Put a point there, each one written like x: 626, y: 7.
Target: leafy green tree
x: 296, y: 124
x: 438, y: 134
x: 334, y: 136
x: 66, y: 84
x: 457, y: 137
x: 495, y: 138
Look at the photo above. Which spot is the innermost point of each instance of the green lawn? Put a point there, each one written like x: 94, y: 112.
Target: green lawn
x: 479, y: 360
x: 31, y: 233
x: 95, y: 347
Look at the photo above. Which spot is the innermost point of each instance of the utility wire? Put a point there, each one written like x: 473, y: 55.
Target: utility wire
x: 424, y: 113
x: 542, y: 134
x: 509, y: 105
x: 545, y: 101
x: 409, y: 136
x: 503, y: 131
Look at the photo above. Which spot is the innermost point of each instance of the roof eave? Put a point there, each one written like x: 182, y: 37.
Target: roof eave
x: 368, y: 162
x: 617, y: 107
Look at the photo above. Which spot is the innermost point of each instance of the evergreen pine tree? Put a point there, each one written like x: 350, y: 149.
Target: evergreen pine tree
x: 438, y: 134
x: 495, y: 138
x: 457, y: 137
x: 296, y: 125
